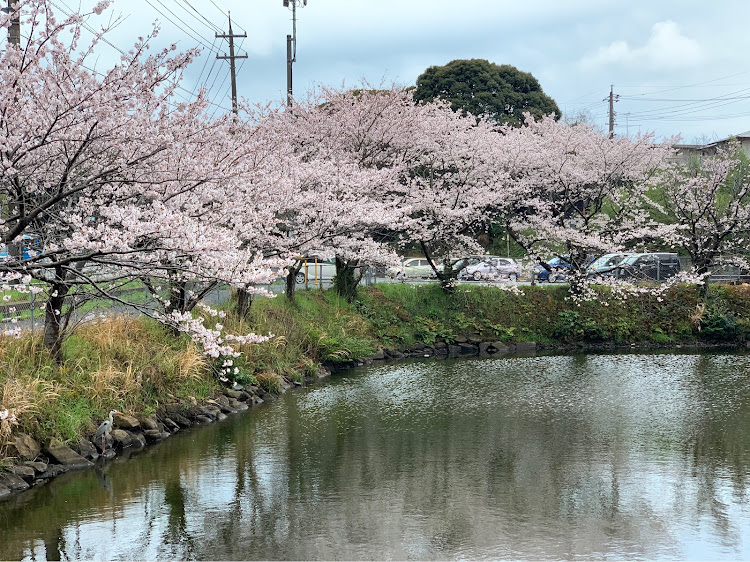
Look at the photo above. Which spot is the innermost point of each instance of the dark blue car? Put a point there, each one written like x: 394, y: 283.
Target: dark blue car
x: 560, y: 270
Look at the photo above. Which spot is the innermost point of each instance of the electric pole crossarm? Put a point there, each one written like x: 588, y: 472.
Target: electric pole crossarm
x: 227, y: 36
x: 231, y: 58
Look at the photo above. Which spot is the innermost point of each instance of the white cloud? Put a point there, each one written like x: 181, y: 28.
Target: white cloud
x: 666, y: 48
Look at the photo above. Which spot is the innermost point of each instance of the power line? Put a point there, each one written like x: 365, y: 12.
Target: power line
x: 219, y: 73
x: 690, y: 85
x: 88, y: 28
x: 690, y: 108
x: 195, y: 35
x: 205, y: 62
x: 190, y: 32
x: 91, y: 30
x: 685, y: 100
x: 225, y: 14
x: 696, y: 118
x: 200, y: 17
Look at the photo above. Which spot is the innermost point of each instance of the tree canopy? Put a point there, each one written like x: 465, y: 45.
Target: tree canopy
x: 480, y: 87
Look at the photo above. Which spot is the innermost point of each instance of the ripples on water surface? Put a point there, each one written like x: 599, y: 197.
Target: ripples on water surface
x: 590, y: 457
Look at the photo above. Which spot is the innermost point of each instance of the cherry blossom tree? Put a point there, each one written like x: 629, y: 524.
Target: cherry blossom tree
x: 107, y: 172
x: 429, y: 175
x: 453, y: 186
x: 708, y: 199
x: 351, y: 147
x: 575, y: 192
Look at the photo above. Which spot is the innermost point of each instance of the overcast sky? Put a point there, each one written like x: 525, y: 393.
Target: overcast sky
x: 679, y: 67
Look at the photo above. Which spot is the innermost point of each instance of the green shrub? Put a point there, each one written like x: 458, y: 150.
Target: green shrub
x: 570, y: 327
x: 429, y: 331
x: 719, y: 327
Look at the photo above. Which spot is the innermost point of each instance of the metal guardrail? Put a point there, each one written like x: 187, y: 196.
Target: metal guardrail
x: 30, y: 314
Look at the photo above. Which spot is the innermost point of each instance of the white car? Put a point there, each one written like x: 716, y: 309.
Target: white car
x: 315, y: 270
x: 414, y: 268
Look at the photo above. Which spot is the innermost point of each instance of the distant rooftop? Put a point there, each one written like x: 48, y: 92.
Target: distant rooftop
x: 740, y: 136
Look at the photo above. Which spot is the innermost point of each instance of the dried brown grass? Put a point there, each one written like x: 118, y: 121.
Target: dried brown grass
x: 121, y: 362
x: 269, y: 380
x: 22, y: 397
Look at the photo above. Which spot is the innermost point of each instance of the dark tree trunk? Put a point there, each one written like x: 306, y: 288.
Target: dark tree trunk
x: 178, y: 295
x: 346, y: 279
x: 53, y: 335
x: 291, y: 284
x: 291, y: 279
x: 448, y: 278
x: 244, y: 301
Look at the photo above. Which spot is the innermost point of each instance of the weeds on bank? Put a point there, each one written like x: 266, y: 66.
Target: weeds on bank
x: 125, y: 363
x: 319, y: 325
x: 404, y: 314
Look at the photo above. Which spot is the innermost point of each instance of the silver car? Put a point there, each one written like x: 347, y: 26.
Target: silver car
x: 316, y: 270
x: 606, y: 265
x: 492, y: 268
x: 412, y: 268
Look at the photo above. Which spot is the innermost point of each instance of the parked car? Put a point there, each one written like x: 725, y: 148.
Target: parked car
x: 412, y: 268
x: 491, y: 267
x: 469, y: 260
x: 606, y: 265
x: 656, y: 266
x: 560, y: 270
x: 315, y: 270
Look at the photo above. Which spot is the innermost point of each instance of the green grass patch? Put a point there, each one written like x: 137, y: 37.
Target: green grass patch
x: 401, y: 315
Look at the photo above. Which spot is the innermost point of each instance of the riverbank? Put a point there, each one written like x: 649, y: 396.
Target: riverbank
x: 163, y: 384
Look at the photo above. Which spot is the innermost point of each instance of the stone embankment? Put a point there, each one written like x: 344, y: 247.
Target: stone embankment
x: 38, y: 463
x: 461, y: 346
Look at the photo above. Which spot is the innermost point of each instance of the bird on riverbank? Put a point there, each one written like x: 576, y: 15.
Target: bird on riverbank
x: 105, y: 428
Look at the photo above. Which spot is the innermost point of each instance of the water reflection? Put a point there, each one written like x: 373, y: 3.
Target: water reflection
x: 609, y: 456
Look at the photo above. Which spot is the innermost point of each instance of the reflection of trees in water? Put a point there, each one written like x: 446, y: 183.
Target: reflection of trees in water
x: 546, y: 470
x: 717, y: 451
x: 91, y: 506
x: 43, y: 516
x: 526, y: 461
x: 177, y: 532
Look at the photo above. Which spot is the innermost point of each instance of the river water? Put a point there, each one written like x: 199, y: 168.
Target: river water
x: 630, y: 456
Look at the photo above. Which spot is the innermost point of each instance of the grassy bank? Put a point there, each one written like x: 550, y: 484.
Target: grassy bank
x: 134, y: 365
x: 123, y: 363
x: 401, y: 315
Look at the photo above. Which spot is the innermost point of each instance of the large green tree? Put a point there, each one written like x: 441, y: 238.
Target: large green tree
x: 480, y: 87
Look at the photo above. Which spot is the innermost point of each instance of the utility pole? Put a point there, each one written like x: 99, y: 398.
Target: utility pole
x: 231, y: 59
x: 291, y: 48
x: 289, y: 61
x: 612, y: 99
